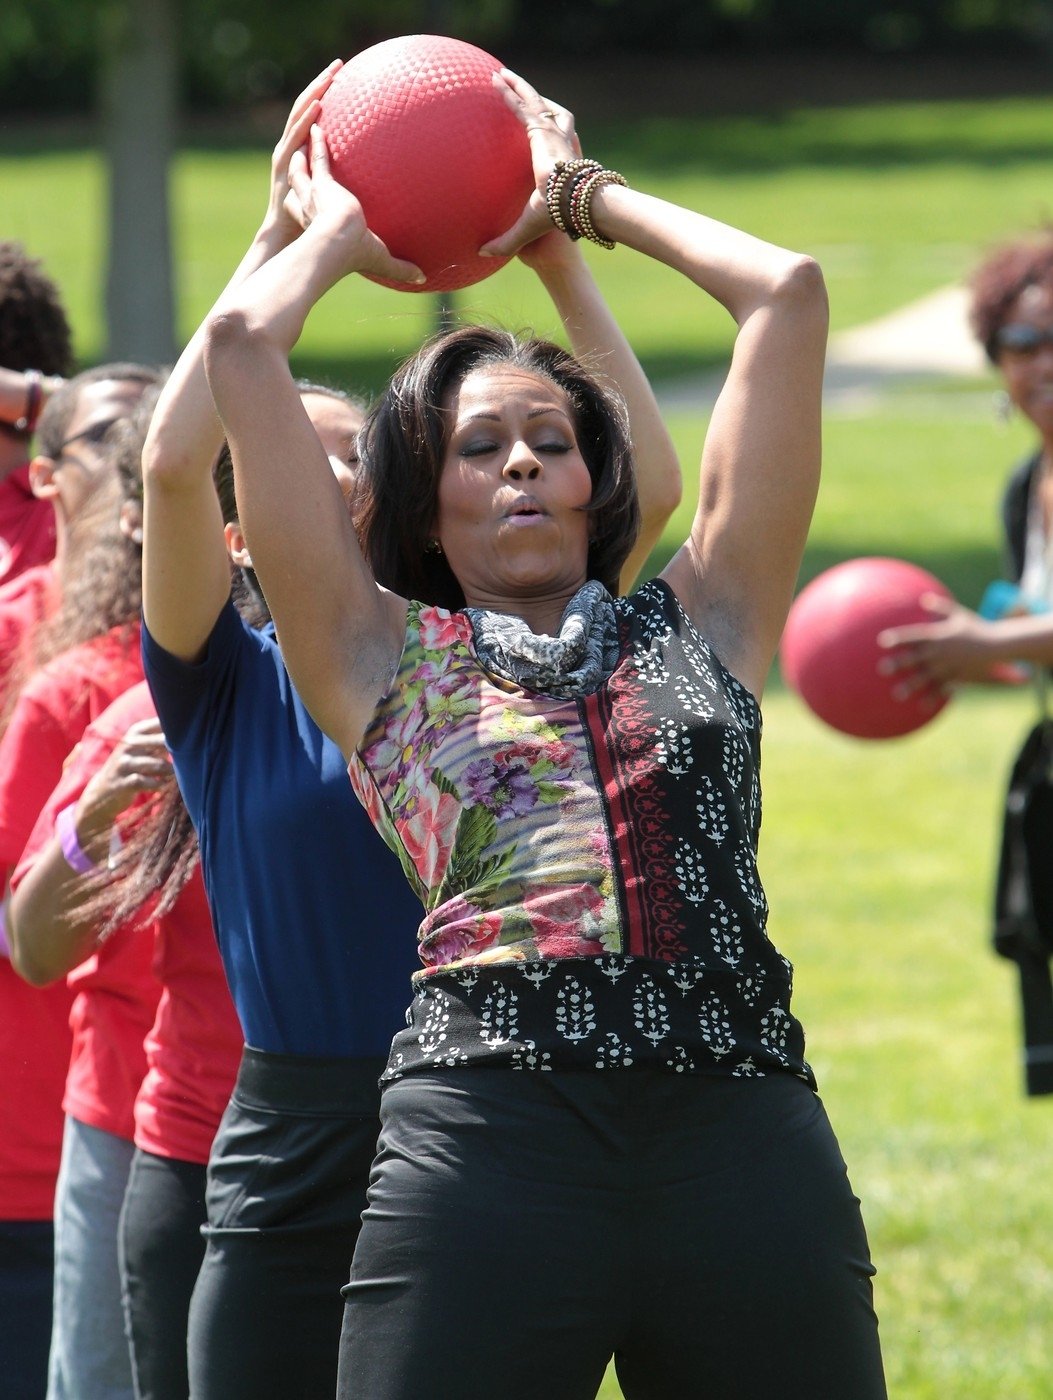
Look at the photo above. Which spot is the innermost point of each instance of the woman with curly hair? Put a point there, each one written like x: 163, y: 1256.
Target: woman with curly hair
x: 1012, y: 317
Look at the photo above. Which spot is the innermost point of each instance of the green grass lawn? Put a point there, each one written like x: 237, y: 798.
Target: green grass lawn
x: 894, y: 200
x: 878, y: 858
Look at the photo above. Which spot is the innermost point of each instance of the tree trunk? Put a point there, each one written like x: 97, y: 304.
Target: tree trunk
x: 138, y: 103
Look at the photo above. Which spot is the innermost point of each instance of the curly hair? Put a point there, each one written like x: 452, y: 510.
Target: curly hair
x: 1001, y: 278
x: 401, y: 449
x: 34, y: 331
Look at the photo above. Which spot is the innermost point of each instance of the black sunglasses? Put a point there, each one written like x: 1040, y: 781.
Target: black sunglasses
x: 95, y: 434
x: 1022, y: 339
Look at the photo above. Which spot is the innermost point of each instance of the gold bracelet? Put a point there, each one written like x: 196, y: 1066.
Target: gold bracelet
x: 562, y: 172
x: 580, y: 211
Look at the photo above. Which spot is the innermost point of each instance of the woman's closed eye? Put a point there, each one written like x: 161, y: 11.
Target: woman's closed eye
x: 485, y: 447
x: 479, y: 447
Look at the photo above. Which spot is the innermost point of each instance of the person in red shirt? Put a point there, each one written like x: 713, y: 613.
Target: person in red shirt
x: 51, y: 712
x: 62, y: 915
x: 35, y: 622
x: 35, y: 354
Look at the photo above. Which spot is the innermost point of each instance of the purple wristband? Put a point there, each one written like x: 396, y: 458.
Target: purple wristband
x: 5, y: 947
x: 66, y: 831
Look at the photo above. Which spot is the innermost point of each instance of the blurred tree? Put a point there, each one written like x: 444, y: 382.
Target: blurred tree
x: 234, y: 52
x: 137, y: 85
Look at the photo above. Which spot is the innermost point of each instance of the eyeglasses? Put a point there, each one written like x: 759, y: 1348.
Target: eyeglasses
x: 1023, y: 339
x: 94, y: 435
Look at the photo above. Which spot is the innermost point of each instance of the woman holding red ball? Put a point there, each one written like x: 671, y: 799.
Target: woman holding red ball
x: 600, y: 1135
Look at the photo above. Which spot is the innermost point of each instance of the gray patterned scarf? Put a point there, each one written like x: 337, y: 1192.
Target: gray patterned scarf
x: 568, y: 666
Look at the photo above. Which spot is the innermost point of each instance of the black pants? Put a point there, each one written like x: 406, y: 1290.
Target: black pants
x: 27, y: 1280
x: 524, y: 1227
x: 161, y: 1249
x: 286, y: 1189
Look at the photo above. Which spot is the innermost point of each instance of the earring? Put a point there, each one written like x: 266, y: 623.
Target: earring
x: 1003, y: 407
x: 432, y: 547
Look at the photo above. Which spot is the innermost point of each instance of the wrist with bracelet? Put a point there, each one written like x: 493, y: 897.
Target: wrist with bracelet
x: 74, y: 854
x: 569, y: 193
x: 34, y: 401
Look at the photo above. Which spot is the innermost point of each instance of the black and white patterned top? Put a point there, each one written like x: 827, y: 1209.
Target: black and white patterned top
x: 588, y: 866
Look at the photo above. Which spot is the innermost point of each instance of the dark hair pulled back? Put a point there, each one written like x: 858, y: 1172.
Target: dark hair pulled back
x: 402, y: 444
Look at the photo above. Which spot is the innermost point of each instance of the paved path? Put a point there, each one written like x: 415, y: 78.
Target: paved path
x: 927, y: 339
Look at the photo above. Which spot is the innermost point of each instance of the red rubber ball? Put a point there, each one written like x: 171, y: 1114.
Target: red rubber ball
x: 418, y: 132
x: 829, y: 651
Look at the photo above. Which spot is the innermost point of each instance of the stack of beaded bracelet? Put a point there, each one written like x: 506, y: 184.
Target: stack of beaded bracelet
x: 568, y: 197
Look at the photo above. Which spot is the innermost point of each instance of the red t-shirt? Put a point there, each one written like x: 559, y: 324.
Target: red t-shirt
x: 24, y: 603
x: 181, y: 1079
x: 54, y: 708
x: 116, y: 990
x: 34, y: 1055
x: 27, y: 526
x: 195, y: 1045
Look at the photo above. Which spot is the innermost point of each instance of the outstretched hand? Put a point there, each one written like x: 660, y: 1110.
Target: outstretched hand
x: 315, y: 196
x: 957, y: 646
x: 550, y: 129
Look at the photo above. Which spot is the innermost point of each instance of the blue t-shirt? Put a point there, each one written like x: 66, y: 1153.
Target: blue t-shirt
x: 315, y: 921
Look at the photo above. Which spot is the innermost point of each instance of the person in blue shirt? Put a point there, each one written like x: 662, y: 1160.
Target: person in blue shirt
x: 315, y: 922
x: 316, y: 931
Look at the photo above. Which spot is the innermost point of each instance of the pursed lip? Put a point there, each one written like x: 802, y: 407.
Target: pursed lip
x: 527, y: 507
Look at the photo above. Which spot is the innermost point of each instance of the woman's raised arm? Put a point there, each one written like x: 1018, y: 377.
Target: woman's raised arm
x: 186, y: 571
x: 760, y: 464
x: 341, y: 635
x: 599, y: 342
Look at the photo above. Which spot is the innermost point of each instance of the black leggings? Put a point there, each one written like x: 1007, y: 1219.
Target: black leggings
x: 27, y: 1281
x: 161, y: 1250
x: 286, y: 1189
x: 524, y: 1227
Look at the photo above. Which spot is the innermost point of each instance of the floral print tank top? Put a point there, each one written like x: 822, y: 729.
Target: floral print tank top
x: 588, y: 867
